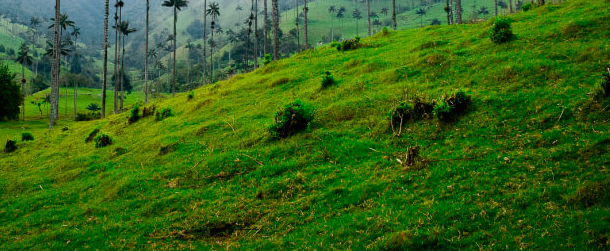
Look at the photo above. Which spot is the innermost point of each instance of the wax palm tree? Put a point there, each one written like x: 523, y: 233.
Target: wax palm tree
x: 496, y: 7
x: 276, y: 30
x: 160, y: 67
x: 116, y: 55
x: 176, y: 5
x: 55, y: 67
x: 212, y: 11
x: 305, y: 10
x: 394, y: 14
x: 205, y: 26
x: 23, y: 58
x: 239, y: 9
x: 421, y: 12
x: 368, y: 16
x: 146, y: 52
x: 125, y: 30
x: 75, y: 33
x: 341, y: 14
x: 357, y: 15
x: 332, y: 9
x: 64, y: 23
x: 384, y: 11
x: 483, y: 11
x: 190, y: 47
x: 458, y: 11
x: 105, y: 66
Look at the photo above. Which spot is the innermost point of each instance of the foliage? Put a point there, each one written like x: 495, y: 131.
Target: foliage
x: 267, y: 59
x: 11, y: 146
x: 527, y: 7
x: 401, y: 114
x: 2, y: 48
x: 102, y: 141
x: 148, y: 111
x: 10, y: 95
x: 190, y: 96
x: 163, y: 114
x: 295, y: 117
x: 134, y: 114
x: 93, y: 107
x: 327, y: 80
x: 349, y: 44
x: 87, y: 116
x: 501, y: 32
x: 385, y: 31
x: 39, y: 84
x: 26, y: 136
x: 603, y: 89
x: 92, y: 135
x: 451, y: 107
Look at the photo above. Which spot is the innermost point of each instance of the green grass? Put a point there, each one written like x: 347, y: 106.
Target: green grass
x: 525, y: 168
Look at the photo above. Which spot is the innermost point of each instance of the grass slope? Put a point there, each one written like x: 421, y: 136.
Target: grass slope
x: 526, y: 168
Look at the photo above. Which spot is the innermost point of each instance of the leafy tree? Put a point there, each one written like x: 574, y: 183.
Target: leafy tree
x: 9, y: 94
x: 176, y: 5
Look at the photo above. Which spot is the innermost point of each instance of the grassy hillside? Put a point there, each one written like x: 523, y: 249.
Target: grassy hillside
x: 525, y: 168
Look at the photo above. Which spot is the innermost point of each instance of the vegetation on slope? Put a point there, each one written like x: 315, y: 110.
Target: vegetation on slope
x: 525, y: 167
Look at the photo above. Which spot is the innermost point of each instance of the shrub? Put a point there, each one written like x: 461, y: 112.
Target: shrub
x: 148, y: 111
x: 2, y: 48
x: 87, y: 116
x: 10, y: 94
x: 134, y: 114
x: 294, y: 118
x: 190, y: 96
x: 349, y: 44
x: 400, y: 115
x: 11, y: 146
x: 92, y: 135
x: 501, y: 32
x: 450, y: 107
x: 421, y: 108
x: 267, y: 59
x: 26, y: 136
x: 93, y: 107
x: 163, y: 114
x: 102, y: 141
x: 527, y: 7
x: 10, y: 52
x: 327, y: 80
x: 385, y: 31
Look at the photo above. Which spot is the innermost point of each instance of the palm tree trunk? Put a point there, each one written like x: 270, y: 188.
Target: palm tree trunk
x: 105, y: 66
x: 265, y: 32
x: 394, y: 14
x: 368, y: 15
x: 116, y: 63
x: 75, y: 82
x: 23, y: 92
x: 212, y: 54
x: 54, y: 72
x: 204, y: 49
x: 276, y: 30
x: 458, y: 11
x: 496, y: 6
x: 255, y: 34
x: 122, y: 72
x: 305, y: 10
x: 146, y: 56
x: 510, y: 5
x: 174, y: 65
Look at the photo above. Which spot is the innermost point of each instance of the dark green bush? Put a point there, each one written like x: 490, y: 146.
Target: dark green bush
x: 11, y: 146
x: 295, y: 117
x: 92, y: 135
x: 267, y: 59
x: 148, y: 111
x: 421, y: 108
x: 2, y: 48
x: 87, y: 116
x: 26, y: 136
x: 349, y: 44
x: 527, y: 7
x: 327, y: 80
x: 451, y: 107
x: 134, y: 114
x: 401, y: 114
x: 102, y: 141
x: 501, y: 32
x: 163, y: 114
x: 603, y: 90
x: 385, y: 31
x: 10, y: 52
x: 190, y: 96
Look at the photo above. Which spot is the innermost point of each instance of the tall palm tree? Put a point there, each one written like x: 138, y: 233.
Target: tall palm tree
x: 205, y: 26
x: 75, y: 33
x: 125, y: 31
x: 384, y: 11
x: 368, y: 15
x: 64, y: 23
x: 177, y: 5
x: 160, y: 67
x: 116, y: 57
x: 496, y: 6
x: 55, y: 66
x: 458, y: 11
x: 146, y: 53
x: 276, y: 30
x: 105, y: 66
x: 212, y: 11
x: 332, y: 9
x: 266, y: 29
x: 394, y: 14
x: 23, y: 58
x: 305, y: 10
x: 190, y: 47
x: 341, y: 15
x: 421, y: 12
x: 255, y: 34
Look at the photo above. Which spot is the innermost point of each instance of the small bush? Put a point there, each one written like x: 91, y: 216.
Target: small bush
x: 148, y: 111
x: 2, y: 48
x: 190, y: 96
x: 421, y: 108
x: 327, y: 80
x: 134, y: 114
x: 385, y: 31
x: 501, y: 32
x: 11, y: 52
x: 349, y: 44
x: 527, y: 7
x: 294, y: 118
x: 267, y: 59
x: 103, y: 141
x: 400, y: 115
x: 450, y: 107
x: 11, y: 146
x: 26, y: 136
x: 163, y: 114
x: 87, y: 116
x: 92, y: 135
